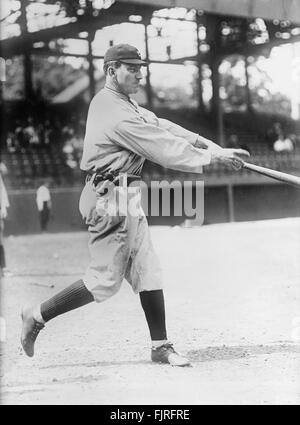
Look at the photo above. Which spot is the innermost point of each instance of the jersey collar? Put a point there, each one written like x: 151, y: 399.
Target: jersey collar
x: 122, y: 96
x: 117, y: 93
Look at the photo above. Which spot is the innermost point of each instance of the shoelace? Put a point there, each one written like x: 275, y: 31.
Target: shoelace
x: 35, y: 331
x: 166, y: 347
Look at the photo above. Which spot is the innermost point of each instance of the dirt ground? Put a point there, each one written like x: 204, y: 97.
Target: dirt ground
x: 233, y: 306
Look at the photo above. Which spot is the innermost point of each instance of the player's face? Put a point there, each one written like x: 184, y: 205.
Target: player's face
x: 129, y: 77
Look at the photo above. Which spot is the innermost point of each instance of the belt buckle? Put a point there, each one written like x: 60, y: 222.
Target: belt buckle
x: 109, y: 176
x: 98, y: 177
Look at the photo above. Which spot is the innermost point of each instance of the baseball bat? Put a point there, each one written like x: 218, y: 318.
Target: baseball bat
x: 274, y: 174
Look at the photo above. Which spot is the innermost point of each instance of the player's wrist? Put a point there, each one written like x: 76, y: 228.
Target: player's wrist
x: 216, y: 157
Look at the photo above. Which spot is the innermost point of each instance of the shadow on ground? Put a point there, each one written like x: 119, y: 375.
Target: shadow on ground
x: 237, y: 352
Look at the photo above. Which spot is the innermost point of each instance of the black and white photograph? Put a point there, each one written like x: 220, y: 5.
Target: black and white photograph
x: 150, y: 205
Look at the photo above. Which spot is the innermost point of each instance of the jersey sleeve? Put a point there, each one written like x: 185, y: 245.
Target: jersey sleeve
x: 178, y: 131
x: 173, y: 128
x: 159, y: 145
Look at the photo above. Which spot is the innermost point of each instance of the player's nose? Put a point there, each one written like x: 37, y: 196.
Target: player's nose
x: 139, y: 75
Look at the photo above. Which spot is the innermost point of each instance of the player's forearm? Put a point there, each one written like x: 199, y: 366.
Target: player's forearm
x: 204, y: 143
x: 178, y: 131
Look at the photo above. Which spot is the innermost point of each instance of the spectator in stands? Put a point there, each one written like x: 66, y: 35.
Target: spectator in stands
x: 274, y: 133
x: 283, y: 145
x: 67, y: 132
x: 71, y: 155
x: 44, y: 205
x: 4, y: 204
x: 47, y: 133
x: 77, y: 144
x: 10, y: 142
x: 31, y: 135
x: 19, y: 136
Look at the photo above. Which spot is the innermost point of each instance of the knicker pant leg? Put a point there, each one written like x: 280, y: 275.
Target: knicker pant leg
x: 144, y: 271
x: 109, y: 248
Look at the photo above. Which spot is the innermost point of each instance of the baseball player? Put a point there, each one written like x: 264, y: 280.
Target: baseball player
x: 43, y: 202
x: 120, y: 135
x: 4, y: 204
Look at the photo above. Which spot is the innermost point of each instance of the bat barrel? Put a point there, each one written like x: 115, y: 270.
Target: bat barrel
x: 277, y: 175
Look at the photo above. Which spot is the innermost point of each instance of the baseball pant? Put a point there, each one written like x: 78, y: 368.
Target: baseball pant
x: 44, y: 216
x: 120, y: 244
x: 2, y: 252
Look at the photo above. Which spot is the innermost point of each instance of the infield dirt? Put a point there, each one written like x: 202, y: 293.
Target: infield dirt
x: 232, y: 298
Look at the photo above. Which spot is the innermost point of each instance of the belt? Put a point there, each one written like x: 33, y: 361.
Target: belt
x: 119, y: 179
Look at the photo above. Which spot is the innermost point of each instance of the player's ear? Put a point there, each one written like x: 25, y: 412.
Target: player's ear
x: 111, y: 71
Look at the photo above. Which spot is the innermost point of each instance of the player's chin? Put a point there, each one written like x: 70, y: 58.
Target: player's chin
x: 135, y: 88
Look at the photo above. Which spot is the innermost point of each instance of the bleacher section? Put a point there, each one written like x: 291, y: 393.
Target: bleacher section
x: 26, y: 169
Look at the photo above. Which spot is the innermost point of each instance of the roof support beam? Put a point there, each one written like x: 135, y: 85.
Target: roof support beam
x: 267, y: 9
x: 27, y: 48
x: 91, y: 70
x: 116, y: 14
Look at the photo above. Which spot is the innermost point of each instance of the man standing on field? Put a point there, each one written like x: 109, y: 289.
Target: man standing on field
x: 120, y: 136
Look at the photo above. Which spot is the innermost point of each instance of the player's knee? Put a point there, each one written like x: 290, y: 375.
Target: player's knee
x: 102, y: 293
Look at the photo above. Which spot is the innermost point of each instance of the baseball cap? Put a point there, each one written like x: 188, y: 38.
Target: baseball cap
x: 124, y: 53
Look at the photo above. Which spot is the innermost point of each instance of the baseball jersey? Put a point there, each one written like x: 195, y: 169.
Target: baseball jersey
x: 4, y: 203
x: 42, y: 195
x: 121, y: 135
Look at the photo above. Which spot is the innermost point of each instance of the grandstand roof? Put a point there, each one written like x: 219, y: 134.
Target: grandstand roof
x: 68, y: 19
x: 267, y: 9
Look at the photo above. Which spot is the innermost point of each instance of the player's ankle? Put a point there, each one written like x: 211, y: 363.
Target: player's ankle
x: 158, y: 343
x: 37, y: 315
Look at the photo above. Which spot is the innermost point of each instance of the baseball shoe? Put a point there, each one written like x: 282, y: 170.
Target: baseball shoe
x: 30, y: 331
x: 166, y: 354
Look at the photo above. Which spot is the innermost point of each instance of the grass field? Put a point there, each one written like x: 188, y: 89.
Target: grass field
x: 233, y: 306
